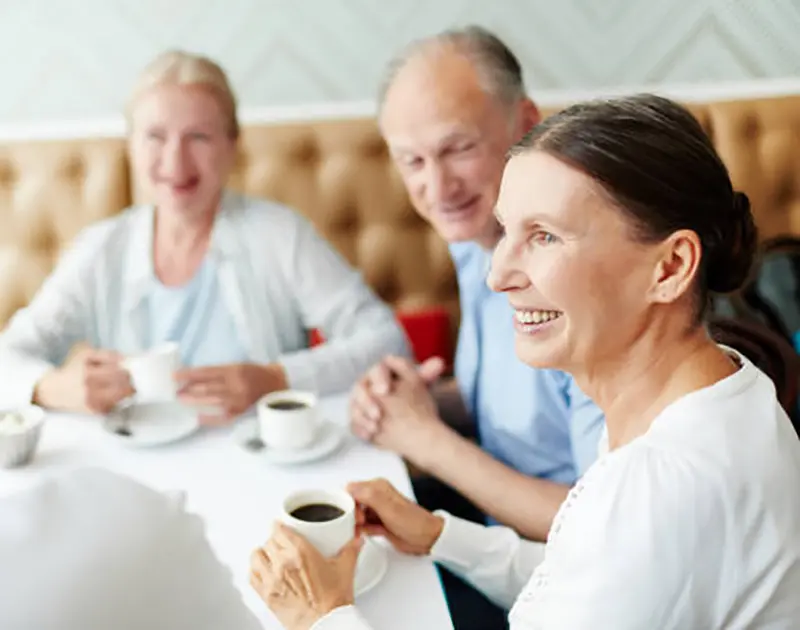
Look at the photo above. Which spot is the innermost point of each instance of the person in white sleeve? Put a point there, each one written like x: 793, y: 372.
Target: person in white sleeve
x: 237, y: 282
x: 94, y: 550
x: 620, y: 219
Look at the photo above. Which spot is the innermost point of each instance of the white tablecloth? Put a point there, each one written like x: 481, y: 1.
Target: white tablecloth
x: 239, y: 494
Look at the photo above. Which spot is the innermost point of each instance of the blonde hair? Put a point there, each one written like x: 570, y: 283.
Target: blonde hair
x: 177, y: 67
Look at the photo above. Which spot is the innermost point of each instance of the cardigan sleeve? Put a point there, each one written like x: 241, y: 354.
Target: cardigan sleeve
x: 332, y: 296
x: 40, y: 335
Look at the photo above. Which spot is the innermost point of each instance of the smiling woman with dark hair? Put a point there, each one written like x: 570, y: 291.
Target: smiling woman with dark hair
x: 619, y: 220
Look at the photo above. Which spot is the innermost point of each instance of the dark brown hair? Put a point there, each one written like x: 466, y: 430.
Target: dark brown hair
x: 653, y: 159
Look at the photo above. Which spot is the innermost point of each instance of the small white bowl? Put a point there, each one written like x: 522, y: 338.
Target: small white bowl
x: 18, y: 447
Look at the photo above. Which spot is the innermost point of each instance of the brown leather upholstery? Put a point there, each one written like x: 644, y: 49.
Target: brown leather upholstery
x: 48, y: 192
x: 338, y: 173
x: 340, y: 176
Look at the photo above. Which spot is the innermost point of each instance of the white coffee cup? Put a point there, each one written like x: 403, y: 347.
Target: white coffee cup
x: 152, y: 373
x: 328, y: 536
x: 288, y: 419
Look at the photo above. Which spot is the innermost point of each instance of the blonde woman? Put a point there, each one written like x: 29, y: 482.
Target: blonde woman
x: 235, y: 281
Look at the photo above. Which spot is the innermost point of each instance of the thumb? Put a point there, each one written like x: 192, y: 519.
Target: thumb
x: 431, y: 369
x: 348, y: 555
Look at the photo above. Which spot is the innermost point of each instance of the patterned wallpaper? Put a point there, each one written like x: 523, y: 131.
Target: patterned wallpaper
x: 66, y: 59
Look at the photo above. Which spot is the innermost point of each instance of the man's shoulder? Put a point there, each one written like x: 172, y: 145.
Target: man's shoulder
x: 466, y: 252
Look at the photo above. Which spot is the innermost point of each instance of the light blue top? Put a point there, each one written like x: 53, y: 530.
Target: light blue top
x: 535, y: 421
x: 196, y: 317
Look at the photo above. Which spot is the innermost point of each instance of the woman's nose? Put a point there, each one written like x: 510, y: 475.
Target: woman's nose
x: 172, y: 159
x: 504, y: 272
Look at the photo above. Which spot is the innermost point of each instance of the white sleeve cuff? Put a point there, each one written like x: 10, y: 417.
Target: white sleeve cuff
x: 495, y: 560
x: 20, y: 377
x: 459, y: 545
x: 342, y: 618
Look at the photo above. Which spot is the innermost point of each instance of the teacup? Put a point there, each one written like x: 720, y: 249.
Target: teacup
x: 326, y: 518
x: 20, y: 432
x: 288, y: 419
x: 152, y: 373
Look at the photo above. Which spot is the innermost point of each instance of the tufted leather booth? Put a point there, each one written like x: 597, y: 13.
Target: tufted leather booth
x: 339, y: 174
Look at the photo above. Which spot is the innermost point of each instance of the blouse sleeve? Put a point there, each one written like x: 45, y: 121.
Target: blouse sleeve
x: 342, y: 618
x: 628, y: 547
x: 495, y: 560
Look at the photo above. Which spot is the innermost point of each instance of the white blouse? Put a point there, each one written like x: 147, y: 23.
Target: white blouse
x: 694, y: 525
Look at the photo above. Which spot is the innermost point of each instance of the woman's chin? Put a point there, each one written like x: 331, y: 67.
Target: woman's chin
x: 539, y: 353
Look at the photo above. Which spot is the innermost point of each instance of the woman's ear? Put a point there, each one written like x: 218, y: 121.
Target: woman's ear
x: 677, y: 267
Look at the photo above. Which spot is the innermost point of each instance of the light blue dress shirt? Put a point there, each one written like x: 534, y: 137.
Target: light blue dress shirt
x: 196, y: 317
x: 533, y: 420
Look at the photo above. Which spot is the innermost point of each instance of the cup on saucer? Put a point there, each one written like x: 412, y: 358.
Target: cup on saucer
x: 326, y: 518
x: 152, y: 373
x: 288, y: 419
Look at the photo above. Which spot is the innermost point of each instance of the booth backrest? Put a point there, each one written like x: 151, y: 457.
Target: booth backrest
x: 338, y: 173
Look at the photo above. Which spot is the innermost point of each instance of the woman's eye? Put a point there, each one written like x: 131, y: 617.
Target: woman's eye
x: 544, y: 238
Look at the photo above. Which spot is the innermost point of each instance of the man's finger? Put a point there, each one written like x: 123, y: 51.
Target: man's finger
x: 431, y: 369
x: 402, y: 367
x: 363, y: 426
x: 380, y: 379
x: 369, y: 405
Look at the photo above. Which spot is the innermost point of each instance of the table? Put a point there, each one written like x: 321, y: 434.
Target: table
x: 238, y: 495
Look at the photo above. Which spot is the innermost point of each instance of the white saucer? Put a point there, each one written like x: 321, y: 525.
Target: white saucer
x: 155, y: 424
x: 373, y: 562
x: 329, y: 438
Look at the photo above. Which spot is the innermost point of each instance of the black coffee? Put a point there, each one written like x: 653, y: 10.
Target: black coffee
x: 317, y: 512
x: 287, y: 405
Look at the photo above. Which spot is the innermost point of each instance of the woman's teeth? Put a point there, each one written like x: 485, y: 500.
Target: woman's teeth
x: 536, y: 317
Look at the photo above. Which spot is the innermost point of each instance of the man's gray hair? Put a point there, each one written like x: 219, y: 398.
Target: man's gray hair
x: 498, y: 68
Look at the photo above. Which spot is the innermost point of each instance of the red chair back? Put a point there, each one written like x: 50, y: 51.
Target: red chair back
x: 428, y: 332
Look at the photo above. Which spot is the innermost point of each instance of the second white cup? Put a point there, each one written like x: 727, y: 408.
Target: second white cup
x: 288, y: 419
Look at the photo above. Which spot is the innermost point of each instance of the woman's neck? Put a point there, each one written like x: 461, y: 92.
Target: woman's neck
x: 657, y: 370
x: 179, y: 246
